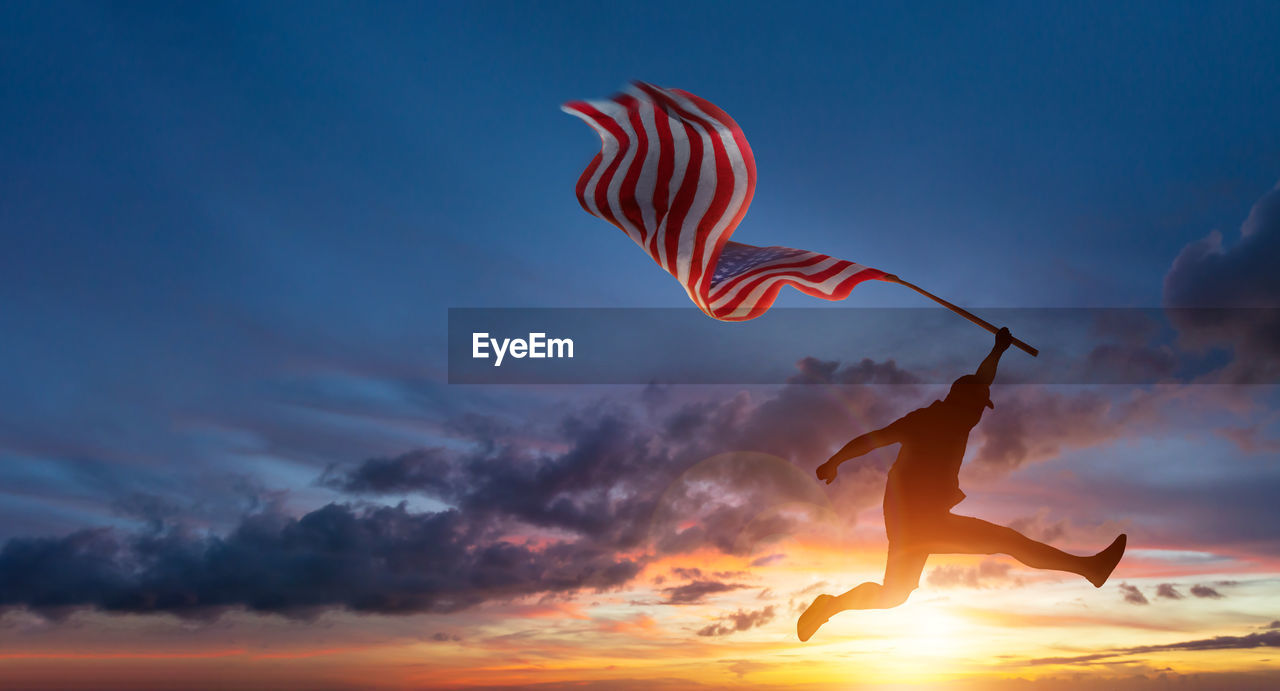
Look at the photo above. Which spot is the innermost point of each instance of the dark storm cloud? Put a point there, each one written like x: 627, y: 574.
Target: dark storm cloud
x: 1033, y: 424
x: 639, y: 478
x: 426, y: 470
x: 1132, y: 595
x: 1267, y: 639
x: 609, y: 484
x: 386, y: 560
x: 1168, y: 591
x: 618, y: 473
x: 811, y: 416
x: 1207, y: 275
x: 603, y: 484
x: 154, y: 511
x: 741, y: 620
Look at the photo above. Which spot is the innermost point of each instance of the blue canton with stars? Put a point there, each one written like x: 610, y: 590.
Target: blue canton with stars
x: 737, y: 258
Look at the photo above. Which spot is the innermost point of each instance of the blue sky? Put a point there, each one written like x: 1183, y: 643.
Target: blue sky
x: 231, y: 231
x: 207, y: 205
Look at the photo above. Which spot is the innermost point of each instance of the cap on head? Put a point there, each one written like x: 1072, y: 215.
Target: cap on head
x: 970, y: 388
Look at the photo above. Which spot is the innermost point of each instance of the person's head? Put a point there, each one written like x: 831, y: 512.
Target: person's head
x: 971, y: 395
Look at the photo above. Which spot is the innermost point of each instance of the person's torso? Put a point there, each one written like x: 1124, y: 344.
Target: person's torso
x: 927, y: 471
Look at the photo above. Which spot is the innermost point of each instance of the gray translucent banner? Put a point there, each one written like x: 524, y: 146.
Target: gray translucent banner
x: 684, y: 346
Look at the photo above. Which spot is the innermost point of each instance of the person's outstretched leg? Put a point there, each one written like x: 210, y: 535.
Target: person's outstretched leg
x: 901, y: 576
x: 967, y: 535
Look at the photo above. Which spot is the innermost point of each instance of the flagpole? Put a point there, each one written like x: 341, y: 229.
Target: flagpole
x: 958, y: 310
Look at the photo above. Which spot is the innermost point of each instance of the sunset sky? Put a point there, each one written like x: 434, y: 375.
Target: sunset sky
x: 230, y: 456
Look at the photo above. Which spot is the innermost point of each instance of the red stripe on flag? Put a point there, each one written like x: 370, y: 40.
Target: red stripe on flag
x: 666, y: 171
x: 627, y: 194
x: 765, y: 301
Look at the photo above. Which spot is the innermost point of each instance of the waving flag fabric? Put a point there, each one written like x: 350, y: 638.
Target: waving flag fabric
x: 676, y: 175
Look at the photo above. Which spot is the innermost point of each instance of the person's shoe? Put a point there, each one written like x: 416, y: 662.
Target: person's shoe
x: 814, y: 617
x: 1106, y: 560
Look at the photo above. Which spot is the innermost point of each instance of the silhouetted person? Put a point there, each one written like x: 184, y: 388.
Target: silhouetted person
x: 922, y: 488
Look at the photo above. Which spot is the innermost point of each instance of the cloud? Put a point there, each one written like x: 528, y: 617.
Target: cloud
x: 811, y: 588
x: 655, y: 475
x: 688, y: 573
x: 768, y: 559
x: 602, y: 486
x: 422, y: 470
x: 540, y: 510
x: 1267, y: 639
x: 696, y: 591
x: 1207, y: 274
x: 741, y: 620
x: 1183, y: 513
x: 990, y: 573
x: 1273, y: 625
x: 154, y: 511
x: 577, y: 504
x: 384, y: 560
x: 1168, y: 591
x: 1250, y: 439
x: 1039, y: 527
x: 1206, y: 591
x: 693, y: 573
x: 1033, y: 424
x: 1132, y: 595
x: 744, y: 667
x: 1129, y: 348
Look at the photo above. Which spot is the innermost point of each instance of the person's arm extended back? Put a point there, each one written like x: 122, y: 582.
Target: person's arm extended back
x: 987, y: 370
x: 859, y: 446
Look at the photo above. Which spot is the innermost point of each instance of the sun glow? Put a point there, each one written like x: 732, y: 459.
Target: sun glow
x: 940, y: 633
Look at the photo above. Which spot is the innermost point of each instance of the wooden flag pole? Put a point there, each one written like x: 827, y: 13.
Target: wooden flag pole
x: 958, y: 310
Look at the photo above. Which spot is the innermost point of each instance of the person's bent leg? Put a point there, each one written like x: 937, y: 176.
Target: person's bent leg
x: 901, y: 576
x: 865, y: 596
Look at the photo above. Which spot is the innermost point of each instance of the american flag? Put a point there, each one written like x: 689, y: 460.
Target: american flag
x: 676, y: 174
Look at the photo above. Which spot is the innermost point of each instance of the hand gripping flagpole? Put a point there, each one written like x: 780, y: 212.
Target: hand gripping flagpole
x: 958, y: 310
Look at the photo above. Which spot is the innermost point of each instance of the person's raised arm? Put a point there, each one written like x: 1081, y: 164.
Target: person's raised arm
x: 987, y: 370
x: 857, y: 447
